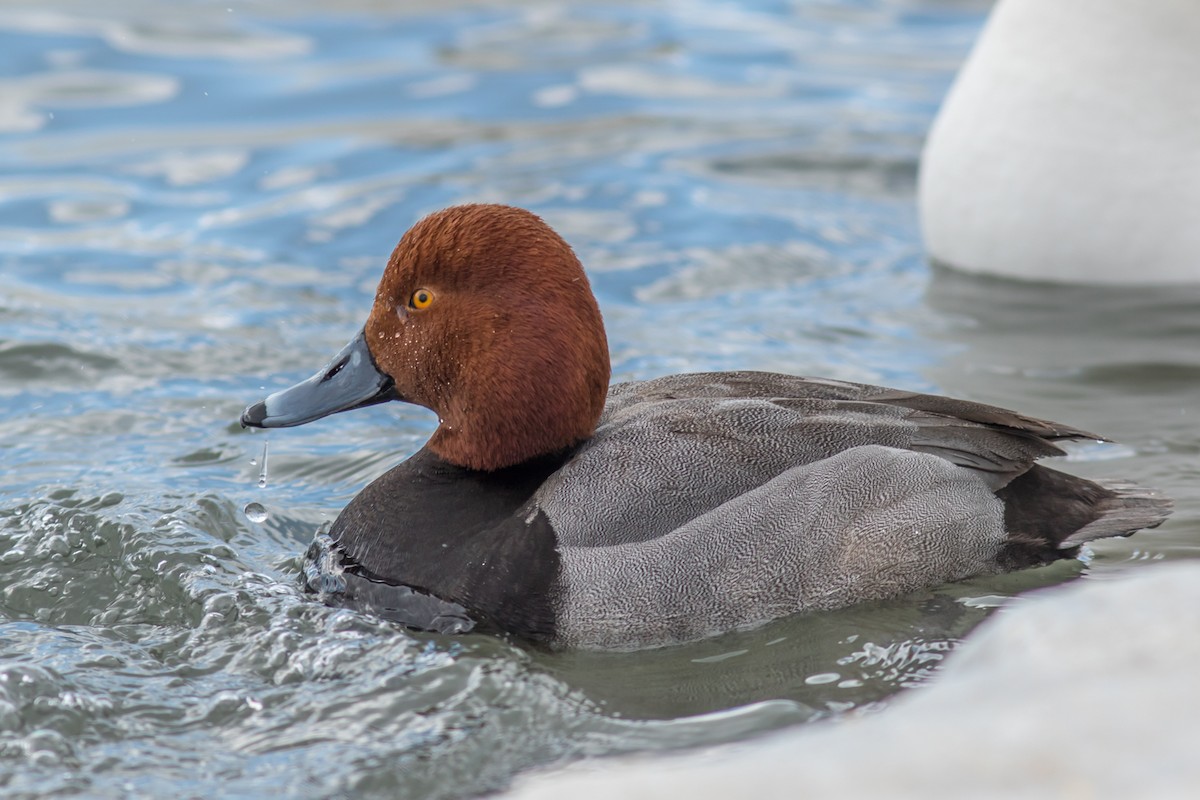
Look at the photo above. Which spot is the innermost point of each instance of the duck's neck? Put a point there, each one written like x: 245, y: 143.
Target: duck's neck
x: 498, y: 435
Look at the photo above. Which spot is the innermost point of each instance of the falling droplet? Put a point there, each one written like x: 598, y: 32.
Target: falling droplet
x: 262, y: 475
x: 255, y: 512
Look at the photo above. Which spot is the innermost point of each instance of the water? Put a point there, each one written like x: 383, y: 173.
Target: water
x: 255, y: 512
x: 262, y: 473
x: 197, y: 203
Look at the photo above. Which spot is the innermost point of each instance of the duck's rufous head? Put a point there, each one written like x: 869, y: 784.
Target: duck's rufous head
x: 485, y: 316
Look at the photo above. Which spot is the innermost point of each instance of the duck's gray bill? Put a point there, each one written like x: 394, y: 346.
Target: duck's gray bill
x: 350, y: 380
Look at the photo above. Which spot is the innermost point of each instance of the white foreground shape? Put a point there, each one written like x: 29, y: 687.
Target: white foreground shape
x: 1068, y: 148
x: 1087, y: 690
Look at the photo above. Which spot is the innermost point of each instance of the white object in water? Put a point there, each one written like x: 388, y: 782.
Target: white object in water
x: 1087, y: 690
x: 1068, y: 148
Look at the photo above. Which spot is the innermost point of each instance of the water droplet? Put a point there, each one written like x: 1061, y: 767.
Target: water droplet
x: 262, y: 475
x: 255, y: 512
x: 822, y: 678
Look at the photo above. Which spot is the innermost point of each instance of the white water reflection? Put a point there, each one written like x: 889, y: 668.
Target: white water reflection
x: 139, y: 27
x: 27, y: 103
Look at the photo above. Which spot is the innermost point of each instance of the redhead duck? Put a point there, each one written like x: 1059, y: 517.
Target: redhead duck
x: 550, y: 506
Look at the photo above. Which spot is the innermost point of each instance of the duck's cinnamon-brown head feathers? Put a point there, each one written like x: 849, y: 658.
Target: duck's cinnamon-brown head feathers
x: 485, y: 316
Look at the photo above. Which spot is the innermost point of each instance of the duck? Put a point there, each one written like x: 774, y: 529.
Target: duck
x: 550, y: 507
x: 1065, y: 151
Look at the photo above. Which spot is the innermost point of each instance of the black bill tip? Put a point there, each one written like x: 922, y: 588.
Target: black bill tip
x: 254, y: 415
x: 350, y: 380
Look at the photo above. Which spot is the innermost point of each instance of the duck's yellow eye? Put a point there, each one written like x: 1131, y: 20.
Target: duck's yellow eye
x: 421, y: 298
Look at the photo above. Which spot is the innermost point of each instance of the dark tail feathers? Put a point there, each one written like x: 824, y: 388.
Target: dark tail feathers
x: 1049, y: 514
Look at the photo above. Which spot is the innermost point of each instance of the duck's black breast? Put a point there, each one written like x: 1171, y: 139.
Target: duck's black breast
x: 467, y: 537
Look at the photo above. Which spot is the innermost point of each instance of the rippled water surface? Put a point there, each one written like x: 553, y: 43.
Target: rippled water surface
x: 195, y: 203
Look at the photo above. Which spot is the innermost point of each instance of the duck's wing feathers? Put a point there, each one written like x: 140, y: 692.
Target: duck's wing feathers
x: 777, y: 386
x: 672, y: 448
